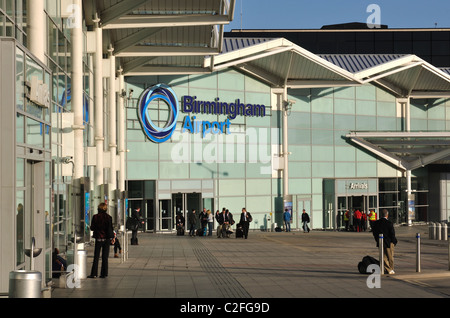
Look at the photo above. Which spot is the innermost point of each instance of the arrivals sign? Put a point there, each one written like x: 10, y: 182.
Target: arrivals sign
x: 191, y: 106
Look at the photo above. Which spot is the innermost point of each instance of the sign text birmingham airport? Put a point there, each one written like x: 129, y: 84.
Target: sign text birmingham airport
x: 190, y: 104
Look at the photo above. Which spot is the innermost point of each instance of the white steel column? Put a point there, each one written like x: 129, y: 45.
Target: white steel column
x: 408, y: 172
x: 112, y: 119
x: 77, y: 90
x: 285, y: 144
x: 98, y: 101
x: 121, y: 125
x: 36, y: 29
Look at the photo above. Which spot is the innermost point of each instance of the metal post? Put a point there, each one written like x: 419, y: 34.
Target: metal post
x: 418, y: 253
x: 380, y: 246
x: 438, y: 231
x: 432, y: 231
x: 449, y: 252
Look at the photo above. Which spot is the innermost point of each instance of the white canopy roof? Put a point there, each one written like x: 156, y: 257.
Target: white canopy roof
x: 161, y: 36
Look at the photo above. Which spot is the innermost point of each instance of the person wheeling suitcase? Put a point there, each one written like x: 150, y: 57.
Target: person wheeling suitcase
x: 246, y: 218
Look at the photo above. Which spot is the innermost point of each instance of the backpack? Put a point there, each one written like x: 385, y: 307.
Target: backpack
x: 365, y: 262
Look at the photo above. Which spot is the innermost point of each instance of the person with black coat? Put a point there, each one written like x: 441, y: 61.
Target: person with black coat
x: 135, y: 216
x: 245, y: 220
x: 103, y: 230
x: 385, y: 227
x: 305, y: 221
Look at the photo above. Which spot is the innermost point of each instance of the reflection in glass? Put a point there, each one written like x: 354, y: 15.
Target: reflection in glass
x: 20, y: 224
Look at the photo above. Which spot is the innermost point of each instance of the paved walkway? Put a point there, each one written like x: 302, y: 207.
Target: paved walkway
x: 319, y: 264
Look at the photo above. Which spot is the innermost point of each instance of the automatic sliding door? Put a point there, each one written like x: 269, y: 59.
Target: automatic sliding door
x: 183, y: 203
x: 165, y: 215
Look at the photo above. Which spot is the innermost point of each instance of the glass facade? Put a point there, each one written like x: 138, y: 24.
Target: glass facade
x: 233, y: 168
x: 239, y: 164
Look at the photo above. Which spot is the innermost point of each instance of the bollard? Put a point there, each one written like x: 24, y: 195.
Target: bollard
x: 80, y: 261
x: 381, y: 247
x: 432, y: 230
x: 438, y: 231
x: 82, y: 264
x: 25, y: 284
x: 418, y: 253
x: 449, y: 253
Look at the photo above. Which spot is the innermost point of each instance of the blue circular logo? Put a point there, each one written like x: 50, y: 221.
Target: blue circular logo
x: 165, y: 93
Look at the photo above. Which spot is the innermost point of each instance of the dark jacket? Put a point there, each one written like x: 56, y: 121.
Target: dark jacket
x: 385, y: 227
x: 225, y: 217
x: 192, y: 218
x: 305, y: 217
x: 102, y: 226
x: 249, y: 218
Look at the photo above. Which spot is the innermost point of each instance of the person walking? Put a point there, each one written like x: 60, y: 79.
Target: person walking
x: 219, y: 224
x: 287, y: 217
x: 305, y: 221
x: 135, y: 220
x: 357, y: 217
x: 104, y: 236
x: 347, y: 220
x: 192, y: 218
x: 384, y: 226
x: 372, y: 218
x: 245, y: 220
x: 225, y: 220
x: 210, y: 222
x: 203, y: 217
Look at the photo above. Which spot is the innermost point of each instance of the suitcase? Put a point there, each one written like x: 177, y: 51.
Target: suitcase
x: 180, y: 230
x: 199, y: 232
x: 239, y: 232
x: 365, y: 262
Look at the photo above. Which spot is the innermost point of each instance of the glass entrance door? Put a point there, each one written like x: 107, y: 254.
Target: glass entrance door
x: 165, y: 216
x: 363, y: 203
x: 297, y: 220
x: 185, y: 202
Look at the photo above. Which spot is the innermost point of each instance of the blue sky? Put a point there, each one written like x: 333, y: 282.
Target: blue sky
x: 313, y: 14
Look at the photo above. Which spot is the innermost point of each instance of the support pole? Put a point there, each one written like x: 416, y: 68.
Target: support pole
x: 121, y: 135
x: 418, y: 265
x: 98, y: 101
x: 112, y: 120
x: 77, y: 90
x: 36, y: 28
x: 449, y: 252
x: 381, y: 250
x: 285, y: 145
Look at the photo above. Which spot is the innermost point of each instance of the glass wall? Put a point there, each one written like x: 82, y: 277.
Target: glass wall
x: 13, y: 20
x: 58, y: 53
x: 33, y: 167
x: 318, y: 123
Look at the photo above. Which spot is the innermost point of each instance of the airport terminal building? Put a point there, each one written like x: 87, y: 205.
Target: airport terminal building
x: 149, y: 104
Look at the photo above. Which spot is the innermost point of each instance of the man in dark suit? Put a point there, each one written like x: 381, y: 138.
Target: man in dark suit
x: 385, y: 227
x: 225, y: 219
x: 246, y: 218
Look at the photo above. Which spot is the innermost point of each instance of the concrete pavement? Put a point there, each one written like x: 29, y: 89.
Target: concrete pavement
x: 268, y: 265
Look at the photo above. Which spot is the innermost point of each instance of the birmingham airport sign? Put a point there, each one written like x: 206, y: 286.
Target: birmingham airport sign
x: 190, y: 105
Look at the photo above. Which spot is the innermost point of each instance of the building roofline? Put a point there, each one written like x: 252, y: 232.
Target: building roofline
x: 237, y: 31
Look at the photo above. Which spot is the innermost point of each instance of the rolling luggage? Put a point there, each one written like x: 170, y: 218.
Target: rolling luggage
x: 239, y: 231
x: 180, y: 230
x: 365, y: 262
